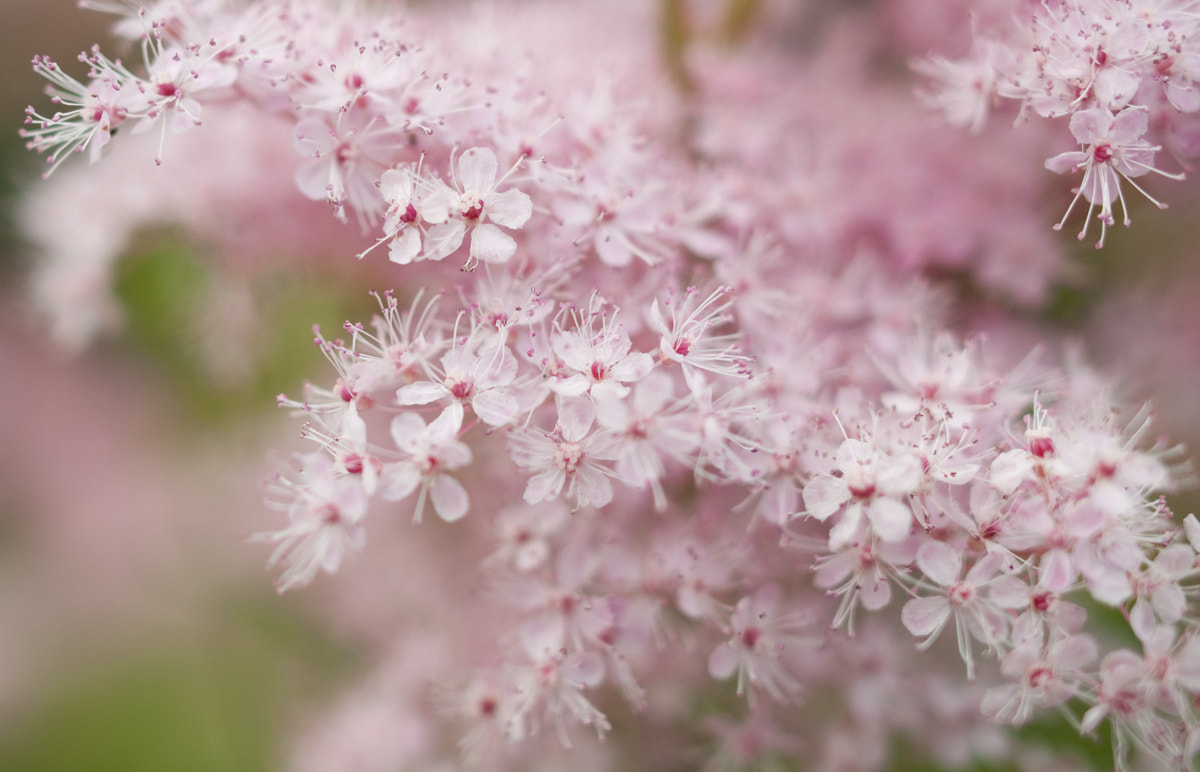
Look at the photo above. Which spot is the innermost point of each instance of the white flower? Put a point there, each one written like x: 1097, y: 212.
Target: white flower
x: 324, y: 510
x: 432, y: 450
x: 474, y: 205
x: 567, y: 458
x: 1115, y: 148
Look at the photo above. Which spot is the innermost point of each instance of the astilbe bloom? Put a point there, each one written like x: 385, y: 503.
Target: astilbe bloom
x: 1122, y: 70
x: 691, y: 402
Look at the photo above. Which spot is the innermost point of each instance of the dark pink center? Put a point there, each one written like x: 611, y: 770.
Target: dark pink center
x: 1041, y: 446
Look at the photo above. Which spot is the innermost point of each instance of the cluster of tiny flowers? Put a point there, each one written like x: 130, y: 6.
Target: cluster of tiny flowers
x: 702, y: 450
x: 1122, y: 71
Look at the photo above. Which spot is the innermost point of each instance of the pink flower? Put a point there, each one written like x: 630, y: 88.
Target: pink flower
x: 570, y: 457
x: 474, y: 204
x: 1114, y: 148
x: 1045, y: 675
x: 433, y: 450
x: 869, y: 484
x: 325, y: 513
x: 763, y: 637
x: 975, y: 616
x: 479, y: 371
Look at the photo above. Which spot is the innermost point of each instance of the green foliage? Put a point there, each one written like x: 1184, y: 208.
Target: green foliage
x: 210, y: 702
x: 169, y: 295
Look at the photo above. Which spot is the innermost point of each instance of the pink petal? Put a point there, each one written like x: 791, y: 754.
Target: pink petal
x: 449, y: 498
x: 584, y: 669
x: 420, y: 393
x: 510, y: 209
x: 495, y: 408
x: 890, y: 519
x: 825, y: 495
x: 489, y: 244
x: 940, y: 562
x: 722, y: 662
x: 925, y: 616
x: 477, y: 170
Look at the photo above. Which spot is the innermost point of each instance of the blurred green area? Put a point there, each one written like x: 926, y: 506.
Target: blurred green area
x: 164, y: 288
x: 217, y: 700
x: 225, y: 694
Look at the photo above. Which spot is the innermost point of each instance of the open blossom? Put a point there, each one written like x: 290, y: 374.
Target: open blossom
x: 870, y: 491
x: 432, y: 451
x: 87, y: 113
x: 1114, y: 149
x: 596, y: 358
x: 570, y: 458
x: 478, y: 371
x: 763, y: 637
x: 401, y: 224
x: 344, y: 158
x: 961, y: 597
x: 1044, y: 675
x: 472, y: 204
x: 325, y: 513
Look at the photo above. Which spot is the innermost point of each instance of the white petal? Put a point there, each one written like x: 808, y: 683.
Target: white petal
x: 405, y: 246
x: 312, y: 136
x: 940, y: 562
x: 445, y: 427
x: 890, y: 519
x: 825, y: 495
x: 584, y: 669
x: 449, y: 498
x: 1056, y: 571
x: 611, y: 248
x: 544, y: 485
x: 632, y: 368
x: 722, y: 662
x: 313, y: 180
x: 575, y: 418
x: 441, y: 240
x: 543, y: 635
x: 397, y: 481
x: 408, y: 429
x: 925, y: 616
x: 510, y: 209
x: 420, y: 393
x: 1009, y: 470
x: 900, y: 475
x: 434, y: 205
x: 477, y: 170
x: 876, y: 593
x: 495, y: 408
x: 1191, y: 527
x: 1169, y: 602
x: 593, y: 488
x: 489, y: 244
x: 1141, y: 619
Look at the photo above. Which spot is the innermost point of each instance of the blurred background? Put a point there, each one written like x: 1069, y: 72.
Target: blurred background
x: 137, y: 632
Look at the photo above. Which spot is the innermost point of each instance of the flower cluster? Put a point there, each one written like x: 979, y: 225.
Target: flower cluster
x: 687, y: 402
x: 1123, y: 70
